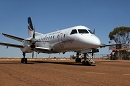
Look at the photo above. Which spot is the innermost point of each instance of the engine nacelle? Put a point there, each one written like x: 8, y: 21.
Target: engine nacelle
x: 32, y: 46
x: 27, y: 47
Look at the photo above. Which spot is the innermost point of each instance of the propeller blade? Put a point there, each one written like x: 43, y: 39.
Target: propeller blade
x: 33, y: 54
x: 34, y: 33
x: 36, y: 54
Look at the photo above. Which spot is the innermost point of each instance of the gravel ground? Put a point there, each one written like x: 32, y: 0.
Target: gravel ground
x: 64, y: 73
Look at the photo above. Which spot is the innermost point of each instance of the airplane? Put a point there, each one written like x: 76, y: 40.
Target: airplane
x: 79, y: 39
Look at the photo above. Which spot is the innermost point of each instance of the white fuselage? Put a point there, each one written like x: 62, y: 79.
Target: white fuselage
x: 66, y: 40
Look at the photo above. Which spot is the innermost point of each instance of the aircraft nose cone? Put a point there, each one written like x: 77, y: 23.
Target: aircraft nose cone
x: 90, y: 41
x: 96, y: 42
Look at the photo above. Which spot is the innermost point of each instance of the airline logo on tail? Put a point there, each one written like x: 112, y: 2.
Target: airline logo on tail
x: 30, y: 26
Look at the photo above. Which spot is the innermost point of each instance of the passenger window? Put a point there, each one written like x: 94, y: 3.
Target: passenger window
x: 73, y: 31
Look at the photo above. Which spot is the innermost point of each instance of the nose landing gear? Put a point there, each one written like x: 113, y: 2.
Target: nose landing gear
x: 87, y: 59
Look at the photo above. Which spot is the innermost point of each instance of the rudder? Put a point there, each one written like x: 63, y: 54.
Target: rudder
x: 30, y: 27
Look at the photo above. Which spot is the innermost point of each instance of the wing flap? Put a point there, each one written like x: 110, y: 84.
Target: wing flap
x: 11, y: 45
x: 13, y: 37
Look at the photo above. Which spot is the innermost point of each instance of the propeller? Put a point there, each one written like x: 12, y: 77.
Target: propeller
x: 33, y: 40
x: 34, y: 53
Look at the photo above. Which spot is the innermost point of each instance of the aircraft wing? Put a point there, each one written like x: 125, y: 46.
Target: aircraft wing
x: 40, y: 49
x: 11, y: 45
x: 13, y: 37
x: 105, y: 45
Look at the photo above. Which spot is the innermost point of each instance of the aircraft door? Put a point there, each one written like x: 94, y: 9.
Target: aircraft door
x: 61, y: 40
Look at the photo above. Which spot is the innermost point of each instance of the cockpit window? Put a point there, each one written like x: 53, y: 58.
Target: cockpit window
x: 73, y: 32
x: 82, y: 31
x: 90, y: 31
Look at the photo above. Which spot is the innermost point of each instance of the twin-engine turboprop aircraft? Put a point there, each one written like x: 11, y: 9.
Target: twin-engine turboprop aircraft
x: 79, y: 39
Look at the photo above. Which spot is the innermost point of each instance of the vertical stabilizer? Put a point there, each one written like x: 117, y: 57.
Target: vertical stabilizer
x: 30, y: 27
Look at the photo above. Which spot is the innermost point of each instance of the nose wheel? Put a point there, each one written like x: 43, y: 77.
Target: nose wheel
x: 24, y: 60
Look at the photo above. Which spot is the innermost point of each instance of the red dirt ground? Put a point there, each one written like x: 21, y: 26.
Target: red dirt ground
x: 64, y: 73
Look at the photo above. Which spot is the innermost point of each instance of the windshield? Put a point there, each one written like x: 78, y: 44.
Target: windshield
x: 90, y: 31
x: 83, y: 31
x: 73, y: 31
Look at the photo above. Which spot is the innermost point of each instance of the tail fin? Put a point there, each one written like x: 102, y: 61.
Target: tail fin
x: 30, y: 27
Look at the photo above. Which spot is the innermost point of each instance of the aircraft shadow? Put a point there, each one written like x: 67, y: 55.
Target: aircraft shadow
x: 108, y: 61
x: 43, y: 62
x: 15, y: 63
x: 62, y: 63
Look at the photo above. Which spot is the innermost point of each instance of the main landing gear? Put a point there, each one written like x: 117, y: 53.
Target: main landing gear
x: 88, y: 59
x: 24, y: 60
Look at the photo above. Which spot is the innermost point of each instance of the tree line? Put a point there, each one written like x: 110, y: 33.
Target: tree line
x: 121, y: 35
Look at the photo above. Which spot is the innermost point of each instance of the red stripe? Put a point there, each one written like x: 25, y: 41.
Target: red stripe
x: 29, y: 28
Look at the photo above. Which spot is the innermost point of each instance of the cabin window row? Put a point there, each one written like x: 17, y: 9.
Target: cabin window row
x: 50, y: 37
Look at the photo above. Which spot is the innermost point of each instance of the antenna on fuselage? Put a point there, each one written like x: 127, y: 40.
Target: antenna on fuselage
x: 94, y: 31
x: 58, y: 30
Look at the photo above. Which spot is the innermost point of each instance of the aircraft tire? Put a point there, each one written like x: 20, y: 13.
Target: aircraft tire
x: 78, y: 60
x: 22, y: 60
x: 85, y: 63
x: 25, y: 60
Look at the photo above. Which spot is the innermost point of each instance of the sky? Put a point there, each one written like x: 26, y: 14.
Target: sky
x: 50, y: 15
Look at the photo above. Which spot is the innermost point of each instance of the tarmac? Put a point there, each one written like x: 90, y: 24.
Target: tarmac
x: 64, y: 72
